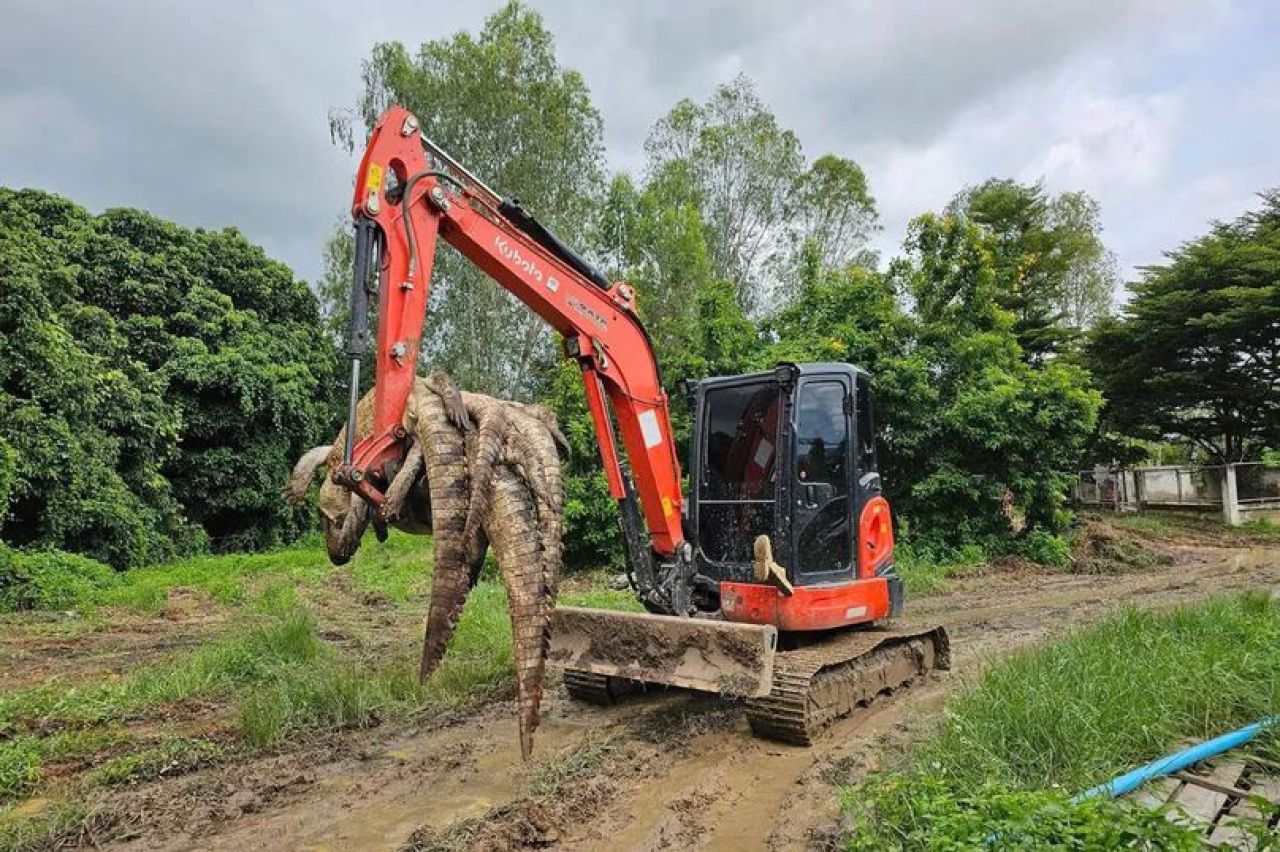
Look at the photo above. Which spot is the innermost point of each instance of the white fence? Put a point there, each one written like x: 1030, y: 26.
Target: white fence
x: 1237, y: 490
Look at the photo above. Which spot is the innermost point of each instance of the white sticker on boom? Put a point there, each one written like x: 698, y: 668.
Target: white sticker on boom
x: 764, y: 452
x: 649, y: 429
x: 855, y: 612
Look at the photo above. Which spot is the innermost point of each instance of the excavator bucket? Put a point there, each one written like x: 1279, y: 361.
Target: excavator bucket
x: 694, y: 653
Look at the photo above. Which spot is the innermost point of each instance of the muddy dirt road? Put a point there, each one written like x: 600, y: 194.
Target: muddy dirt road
x: 665, y: 771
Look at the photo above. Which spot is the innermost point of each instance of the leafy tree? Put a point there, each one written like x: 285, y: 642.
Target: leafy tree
x: 155, y: 382
x: 1196, y: 353
x: 833, y: 209
x: 992, y: 422
x: 1052, y: 271
x: 961, y: 416
x: 499, y: 102
x: 759, y: 203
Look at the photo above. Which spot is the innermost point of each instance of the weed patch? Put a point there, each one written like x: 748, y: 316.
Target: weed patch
x: 212, y: 669
x: 50, y: 579
x: 1100, y: 548
x: 923, y: 812
x: 1072, y: 714
x: 925, y: 570
x: 53, y: 827
x: 173, y: 756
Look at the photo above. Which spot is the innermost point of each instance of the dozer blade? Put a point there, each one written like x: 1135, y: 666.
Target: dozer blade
x: 711, y: 656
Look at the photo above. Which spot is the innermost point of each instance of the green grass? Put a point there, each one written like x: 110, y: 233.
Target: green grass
x: 171, y: 756
x: 596, y: 593
x: 22, y: 757
x: 1260, y: 527
x: 1075, y: 713
x: 925, y: 572
x: 337, y: 692
x: 237, y: 660
x: 396, y: 571
x: 1148, y: 522
x: 1172, y: 523
x: 51, y: 827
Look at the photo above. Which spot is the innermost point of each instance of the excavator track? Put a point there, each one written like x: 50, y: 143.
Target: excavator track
x: 818, y: 684
x: 597, y: 688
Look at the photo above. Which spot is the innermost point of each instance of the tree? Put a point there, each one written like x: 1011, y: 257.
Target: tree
x: 759, y: 204
x: 992, y: 422
x: 155, y: 383
x: 656, y: 242
x: 833, y: 209
x: 1196, y: 353
x: 961, y: 416
x: 500, y: 103
x: 1052, y: 271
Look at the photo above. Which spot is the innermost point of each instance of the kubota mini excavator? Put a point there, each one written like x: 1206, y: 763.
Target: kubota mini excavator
x: 769, y: 580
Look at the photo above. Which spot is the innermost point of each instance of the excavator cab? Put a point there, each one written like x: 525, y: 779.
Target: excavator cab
x: 793, y: 572
x: 789, y: 454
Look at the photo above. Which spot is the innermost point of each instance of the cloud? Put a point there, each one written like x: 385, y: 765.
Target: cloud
x: 216, y: 115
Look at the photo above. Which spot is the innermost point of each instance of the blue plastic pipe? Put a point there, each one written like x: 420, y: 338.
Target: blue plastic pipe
x: 1171, y: 763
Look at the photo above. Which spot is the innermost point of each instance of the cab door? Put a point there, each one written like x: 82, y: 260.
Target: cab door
x: 822, y: 468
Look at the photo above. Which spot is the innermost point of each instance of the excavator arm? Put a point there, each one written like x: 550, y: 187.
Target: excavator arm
x: 409, y: 194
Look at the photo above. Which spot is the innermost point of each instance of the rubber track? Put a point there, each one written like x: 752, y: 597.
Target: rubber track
x: 816, y: 685
x: 597, y: 688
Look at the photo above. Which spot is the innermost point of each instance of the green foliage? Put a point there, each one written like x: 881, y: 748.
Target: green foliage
x: 19, y: 768
x: 759, y: 206
x: 8, y: 466
x: 500, y: 102
x: 697, y: 329
x: 154, y: 383
x: 962, y: 416
x: 50, y: 579
x: 1193, y: 355
x: 1052, y: 272
x: 1044, y: 548
x: 1048, y: 722
x: 1114, y: 695
x: 926, y: 813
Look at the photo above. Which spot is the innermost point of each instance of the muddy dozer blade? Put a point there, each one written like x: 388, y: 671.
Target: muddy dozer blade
x: 711, y: 656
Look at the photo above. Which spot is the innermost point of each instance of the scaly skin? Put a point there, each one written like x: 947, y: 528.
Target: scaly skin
x: 445, y: 455
x: 513, y: 529
x: 492, y: 474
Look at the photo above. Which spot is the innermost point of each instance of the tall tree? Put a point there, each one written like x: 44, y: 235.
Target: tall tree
x: 758, y: 201
x: 1052, y: 271
x: 500, y: 102
x: 832, y: 207
x: 993, y: 421
x: 1196, y: 353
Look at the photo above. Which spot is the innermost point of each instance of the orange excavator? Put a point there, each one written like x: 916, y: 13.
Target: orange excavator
x: 772, y: 579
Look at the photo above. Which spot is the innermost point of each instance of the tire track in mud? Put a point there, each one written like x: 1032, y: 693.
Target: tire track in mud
x: 678, y: 772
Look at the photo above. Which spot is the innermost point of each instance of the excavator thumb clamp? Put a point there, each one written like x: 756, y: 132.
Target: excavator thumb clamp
x: 694, y: 653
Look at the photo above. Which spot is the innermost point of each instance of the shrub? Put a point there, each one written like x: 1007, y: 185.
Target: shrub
x: 1047, y: 722
x: 926, y: 813
x: 50, y: 580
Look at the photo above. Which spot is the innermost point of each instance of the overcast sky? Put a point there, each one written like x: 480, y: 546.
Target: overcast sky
x: 1167, y: 111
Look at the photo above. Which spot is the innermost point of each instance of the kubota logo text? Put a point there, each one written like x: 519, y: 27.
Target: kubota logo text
x: 512, y: 254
